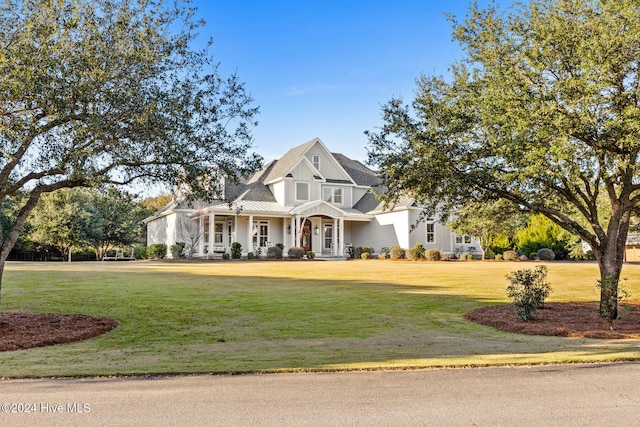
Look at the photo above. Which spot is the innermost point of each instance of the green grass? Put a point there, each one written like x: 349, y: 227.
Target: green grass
x: 281, y: 316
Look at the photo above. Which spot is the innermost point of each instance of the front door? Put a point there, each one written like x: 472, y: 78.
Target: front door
x: 328, y: 239
x: 305, y: 237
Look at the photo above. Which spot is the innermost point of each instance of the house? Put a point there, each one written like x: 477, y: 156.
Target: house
x: 312, y: 198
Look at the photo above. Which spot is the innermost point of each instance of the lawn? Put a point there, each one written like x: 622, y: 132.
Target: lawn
x: 285, y: 316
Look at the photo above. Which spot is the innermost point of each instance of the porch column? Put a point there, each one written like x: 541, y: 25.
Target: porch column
x: 334, y: 237
x: 250, y: 234
x: 296, y: 231
x: 341, y: 243
x: 212, y: 218
x: 201, y: 235
x: 284, y: 232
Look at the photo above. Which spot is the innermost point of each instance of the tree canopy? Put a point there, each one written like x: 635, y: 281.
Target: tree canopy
x: 113, y: 92
x: 543, y: 110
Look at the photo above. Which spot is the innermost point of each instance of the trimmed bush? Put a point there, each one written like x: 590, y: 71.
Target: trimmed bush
x: 489, y: 254
x: 250, y: 255
x: 296, y: 252
x: 274, y: 252
x: 419, y: 249
x: 311, y: 255
x: 226, y: 256
x: 358, y: 251
x: 510, y: 255
x: 236, y: 250
x: 533, y: 255
x: 433, y: 255
x: 384, y: 253
x: 157, y: 250
x: 412, y: 253
x: 545, y: 254
x: 528, y: 290
x: 177, y: 250
x: 140, y: 252
x: 396, y: 252
x: 365, y: 255
x: 499, y: 257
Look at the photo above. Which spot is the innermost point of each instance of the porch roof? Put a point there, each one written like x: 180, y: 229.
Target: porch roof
x: 317, y: 207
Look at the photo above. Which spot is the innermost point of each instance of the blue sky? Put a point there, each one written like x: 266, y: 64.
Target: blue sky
x: 324, y: 68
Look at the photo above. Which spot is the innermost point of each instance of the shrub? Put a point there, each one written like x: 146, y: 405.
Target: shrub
x: 528, y: 290
x: 236, y: 250
x: 433, y: 255
x: 365, y: 255
x: 140, y: 252
x: 468, y: 257
x: 499, y: 257
x: 545, y: 254
x: 489, y: 254
x: 177, y: 250
x: 412, y: 253
x: 274, y: 252
x: 226, y: 255
x: 533, y: 255
x: 396, y: 252
x: 419, y: 249
x: 523, y: 257
x: 358, y: 251
x: 510, y: 255
x: 349, y: 251
x: 157, y: 250
x: 296, y: 252
x: 311, y: 255
x: 250, y: 255
x: 384, y: 253
x: 281, y: 246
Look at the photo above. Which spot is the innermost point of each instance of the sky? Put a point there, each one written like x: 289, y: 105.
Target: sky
x: 325, y: 68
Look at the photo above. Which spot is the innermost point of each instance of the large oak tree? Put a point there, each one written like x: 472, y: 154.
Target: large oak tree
x: 96, y: 92
x: 543, y: 110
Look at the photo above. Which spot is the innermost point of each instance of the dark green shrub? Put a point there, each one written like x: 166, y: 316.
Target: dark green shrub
x: 311, y: 255
x: 545, y: 254
x: 177, y: 250
x: 419, y: 250
x: 157, y: 250
x: 510, y: 255
x: 226, y: 256
x: 140, y: 252
x: 250, y: 255
x: 528, y: 290
x: 281, y: 246
x: 275, y: 252
x: 412, y: 253
x: 236, y: 250
x: 396, y: 252
x: 384, y: 253
x: 533, y: 255
x: 433, y: 255
x: 296, y: 252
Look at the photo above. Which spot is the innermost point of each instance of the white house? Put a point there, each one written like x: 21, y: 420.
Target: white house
x: 312, y: 198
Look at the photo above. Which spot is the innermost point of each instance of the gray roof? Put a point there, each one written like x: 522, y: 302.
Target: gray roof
x: 358, y: 172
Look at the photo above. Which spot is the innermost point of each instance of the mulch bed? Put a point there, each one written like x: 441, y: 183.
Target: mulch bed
x: 20, y: 331
x: 574, y: 319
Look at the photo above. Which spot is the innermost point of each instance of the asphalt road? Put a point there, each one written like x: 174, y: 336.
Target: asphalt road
x: 563, y: 395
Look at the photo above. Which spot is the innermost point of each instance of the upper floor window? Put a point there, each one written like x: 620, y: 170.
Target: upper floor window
x: 332, y: 195
x: 316, y: 161
x: 431, y: 232
x: 302, y: 191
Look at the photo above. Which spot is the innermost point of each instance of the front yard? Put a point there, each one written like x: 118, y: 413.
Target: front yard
x: 286, y: 316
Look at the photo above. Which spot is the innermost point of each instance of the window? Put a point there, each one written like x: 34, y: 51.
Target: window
x: 332, y: 195
x: 316, y: 161
x: 467, y: 239
x: 260, y: 233
x: 328, y: 236
x: 458, y: 239
x: 463, y: 238
x: 302, y: 191
x: 218, y: 232
x: 431, y: 234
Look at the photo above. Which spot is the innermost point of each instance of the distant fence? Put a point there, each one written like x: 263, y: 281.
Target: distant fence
x: 22, y: 255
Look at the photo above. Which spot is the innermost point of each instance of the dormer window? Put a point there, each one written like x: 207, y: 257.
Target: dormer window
x: 315, y: 159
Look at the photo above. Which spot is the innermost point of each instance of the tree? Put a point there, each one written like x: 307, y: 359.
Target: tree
x: 486, y: 221
x: 543, y: 110
x: 112, y: 92
x: 61, y: 220
x: 540, y: 232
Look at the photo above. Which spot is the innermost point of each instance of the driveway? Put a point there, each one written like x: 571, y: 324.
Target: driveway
x: 562, y: 395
